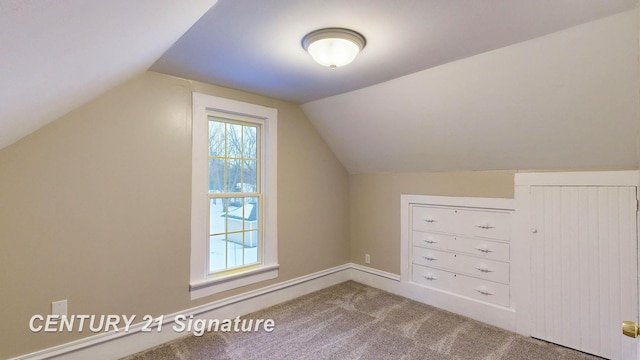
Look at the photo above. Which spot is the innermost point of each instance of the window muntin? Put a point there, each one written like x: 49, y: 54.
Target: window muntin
x: 263, y: 266
x: 235, y: 230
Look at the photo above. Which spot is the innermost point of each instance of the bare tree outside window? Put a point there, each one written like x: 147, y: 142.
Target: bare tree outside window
x: 233, y: 168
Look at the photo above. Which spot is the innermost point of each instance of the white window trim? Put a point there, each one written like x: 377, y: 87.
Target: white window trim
x: 202, y: 284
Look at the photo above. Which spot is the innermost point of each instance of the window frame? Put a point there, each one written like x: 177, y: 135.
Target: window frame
x: 201, y: 283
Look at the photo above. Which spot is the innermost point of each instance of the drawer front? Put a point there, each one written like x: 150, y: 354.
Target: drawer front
x: 433, y: 219
x: 478, y: 267
x: 482, y: 290
x: 482, y: 268
x: 488, y: 224
x: 480, y: 223
x: 432, y: 277
x: 430, y: 257
x: 430, y: 240
x: 479, y: 247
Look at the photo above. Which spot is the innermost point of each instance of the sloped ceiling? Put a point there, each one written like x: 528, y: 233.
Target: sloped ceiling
x: 255, y: 45
x: 441, y: 85
x: 56, y: 55
x: 567, y: 100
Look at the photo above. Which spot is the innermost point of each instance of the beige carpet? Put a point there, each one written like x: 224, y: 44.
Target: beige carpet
x: 354, y: 321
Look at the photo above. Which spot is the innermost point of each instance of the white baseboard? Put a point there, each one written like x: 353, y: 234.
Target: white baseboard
x: 115, y: 345
x: 499, y: 316
x: 375, y: 278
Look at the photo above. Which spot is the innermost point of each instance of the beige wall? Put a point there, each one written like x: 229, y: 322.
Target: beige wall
x: 94, y: 208
x: 375, y: 206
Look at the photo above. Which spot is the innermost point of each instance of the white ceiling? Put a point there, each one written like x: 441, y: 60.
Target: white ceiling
x: 568, y: 100
x: 56, y: 55
x: 426, y: 78
x: 255, y: 45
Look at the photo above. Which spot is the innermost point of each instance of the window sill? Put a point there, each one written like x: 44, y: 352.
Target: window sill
x: 218, y: 284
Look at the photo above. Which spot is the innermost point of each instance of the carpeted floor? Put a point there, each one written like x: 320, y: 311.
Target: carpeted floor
x: 354, y: 321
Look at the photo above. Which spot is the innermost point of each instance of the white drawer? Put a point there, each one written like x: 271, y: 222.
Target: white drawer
x: 433, y: 219
x: 488, y: 224
x: 482, y: 268
x: 481, y: 223
x: 483, y: 290
x: 427, y: 276
x: 469, y: 286
x: 480, y: 247
x: 430, y: 257
x: 459, y: 263
x: 430, y: 240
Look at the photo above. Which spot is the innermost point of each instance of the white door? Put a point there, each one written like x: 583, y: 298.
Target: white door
x: 584, y: 266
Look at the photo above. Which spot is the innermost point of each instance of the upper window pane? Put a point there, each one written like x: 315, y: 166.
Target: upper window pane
x: 216, y: 138
x: 234, y: 175
x: 250, y: 142
x: 234, y: 141
x: 249, y: 175
x: 216, y: 175
x: 233, y: 156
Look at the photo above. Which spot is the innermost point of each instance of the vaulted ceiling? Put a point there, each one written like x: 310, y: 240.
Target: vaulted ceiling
x: 441, y: 85
x: 56, y: 55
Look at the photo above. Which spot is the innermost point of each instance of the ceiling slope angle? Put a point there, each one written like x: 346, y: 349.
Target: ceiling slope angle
x: 256, y: 45
x: 58, y: 55
x: 567, y: 100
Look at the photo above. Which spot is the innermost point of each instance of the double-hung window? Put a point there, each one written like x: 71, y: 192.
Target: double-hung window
x: 233, y: 206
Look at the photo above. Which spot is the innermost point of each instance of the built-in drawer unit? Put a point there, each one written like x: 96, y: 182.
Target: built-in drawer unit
x: 488, y: 224
x: 461, y: 248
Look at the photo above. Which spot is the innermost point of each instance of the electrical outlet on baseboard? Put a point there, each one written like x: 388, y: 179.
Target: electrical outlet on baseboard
x: 367, y: 259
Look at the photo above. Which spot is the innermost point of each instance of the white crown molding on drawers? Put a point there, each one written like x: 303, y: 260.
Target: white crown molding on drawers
x: 455, y: 254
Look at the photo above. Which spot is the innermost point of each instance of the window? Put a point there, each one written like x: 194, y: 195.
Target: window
x: 235, y: 231
x: 233, y: 209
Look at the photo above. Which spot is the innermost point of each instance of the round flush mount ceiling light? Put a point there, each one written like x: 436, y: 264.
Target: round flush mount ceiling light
x: 333, y: 47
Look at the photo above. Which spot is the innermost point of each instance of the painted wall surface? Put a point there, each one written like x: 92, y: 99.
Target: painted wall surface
x: 545, y: 103
x: 375, y: 206
x: 95, y: 208
x: 565, y: 100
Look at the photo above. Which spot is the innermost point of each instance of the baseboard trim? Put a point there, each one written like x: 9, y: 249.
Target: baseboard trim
x: 119, y: 344
x: 372, y: 271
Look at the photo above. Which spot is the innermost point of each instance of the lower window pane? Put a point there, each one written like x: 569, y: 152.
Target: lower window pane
x: 251, y: 253
x: 217, y: 252
x: 217, y: 216
x: 235, y: 250
x: 234, y: 233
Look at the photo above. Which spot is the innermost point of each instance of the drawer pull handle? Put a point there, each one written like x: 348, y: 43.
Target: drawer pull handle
x: 483, y: 269
x: 485, y: 226
x: 484, y: 250
x: 430, y: 220
x: 430, y: 277
x: 484, y: 291
x: 430, y: 241
x: 429, y: 258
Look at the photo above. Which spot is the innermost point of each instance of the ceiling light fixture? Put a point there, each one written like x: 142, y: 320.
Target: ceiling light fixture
x: 333, y: 47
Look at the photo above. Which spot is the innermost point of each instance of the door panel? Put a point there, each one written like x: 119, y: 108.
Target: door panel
x: 584, y: 267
